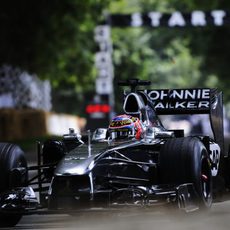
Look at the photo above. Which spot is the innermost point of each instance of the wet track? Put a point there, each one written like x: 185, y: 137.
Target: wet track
x: 218, y: 217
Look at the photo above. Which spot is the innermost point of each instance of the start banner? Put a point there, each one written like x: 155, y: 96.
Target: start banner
x: 155, y: 19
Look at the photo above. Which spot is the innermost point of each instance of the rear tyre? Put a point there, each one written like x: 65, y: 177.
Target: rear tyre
x: 11, y: 156
x: 186, y: 160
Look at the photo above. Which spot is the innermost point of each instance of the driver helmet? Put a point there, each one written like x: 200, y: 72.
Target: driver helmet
x: 125, y: 126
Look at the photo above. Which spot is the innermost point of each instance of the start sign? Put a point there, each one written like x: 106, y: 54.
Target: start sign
x: 174, y: 19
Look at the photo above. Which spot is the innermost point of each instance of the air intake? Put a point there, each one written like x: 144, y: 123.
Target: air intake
x: 133, y: 104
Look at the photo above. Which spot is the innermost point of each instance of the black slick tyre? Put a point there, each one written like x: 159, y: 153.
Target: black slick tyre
x: 11, y: 157
x: 186, y: 160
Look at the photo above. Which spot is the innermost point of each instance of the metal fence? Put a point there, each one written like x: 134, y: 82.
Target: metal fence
x: 19, y: 89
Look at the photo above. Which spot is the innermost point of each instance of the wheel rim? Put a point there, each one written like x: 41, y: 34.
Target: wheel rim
x: 206, y: 178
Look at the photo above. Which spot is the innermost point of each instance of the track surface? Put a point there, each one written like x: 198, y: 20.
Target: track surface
x: 218, y: 217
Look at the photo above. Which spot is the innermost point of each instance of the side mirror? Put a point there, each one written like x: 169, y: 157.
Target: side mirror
x: 72, y: 135
x: 99, y: 134
x: 154, y: 132
x: 72, y: 139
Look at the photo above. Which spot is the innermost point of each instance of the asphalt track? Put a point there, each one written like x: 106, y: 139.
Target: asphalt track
x: 160, y: 218
x: 218, y: 217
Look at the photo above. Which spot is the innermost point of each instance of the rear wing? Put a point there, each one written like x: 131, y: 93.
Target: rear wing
x: 176, y: 101
x: 191, y: 101
x: 183, y: 101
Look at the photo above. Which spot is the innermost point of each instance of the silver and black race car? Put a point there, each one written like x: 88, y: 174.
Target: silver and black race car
x: 110, y: 169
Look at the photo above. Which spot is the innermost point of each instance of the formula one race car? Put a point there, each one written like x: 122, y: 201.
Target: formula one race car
x: 133, y: 162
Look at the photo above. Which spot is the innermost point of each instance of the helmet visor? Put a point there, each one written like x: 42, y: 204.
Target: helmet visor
x: 122, y: 133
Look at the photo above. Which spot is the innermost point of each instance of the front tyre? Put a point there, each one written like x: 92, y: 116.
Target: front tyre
x: 11, y: 156
x: 186, y: 160
x: 9, y: 220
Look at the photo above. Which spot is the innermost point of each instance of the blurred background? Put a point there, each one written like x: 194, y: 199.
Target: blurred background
x: 60, y: 61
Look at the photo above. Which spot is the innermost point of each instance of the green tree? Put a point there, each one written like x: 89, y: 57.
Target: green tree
x: 162, y: 55
x: 175, y: 57
x: 53, y: 39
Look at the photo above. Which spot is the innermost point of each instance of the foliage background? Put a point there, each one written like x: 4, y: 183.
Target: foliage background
x: 55, y: 40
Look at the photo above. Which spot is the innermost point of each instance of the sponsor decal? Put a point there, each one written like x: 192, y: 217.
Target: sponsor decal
x: 190, y: 99
x: 215, y: 158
